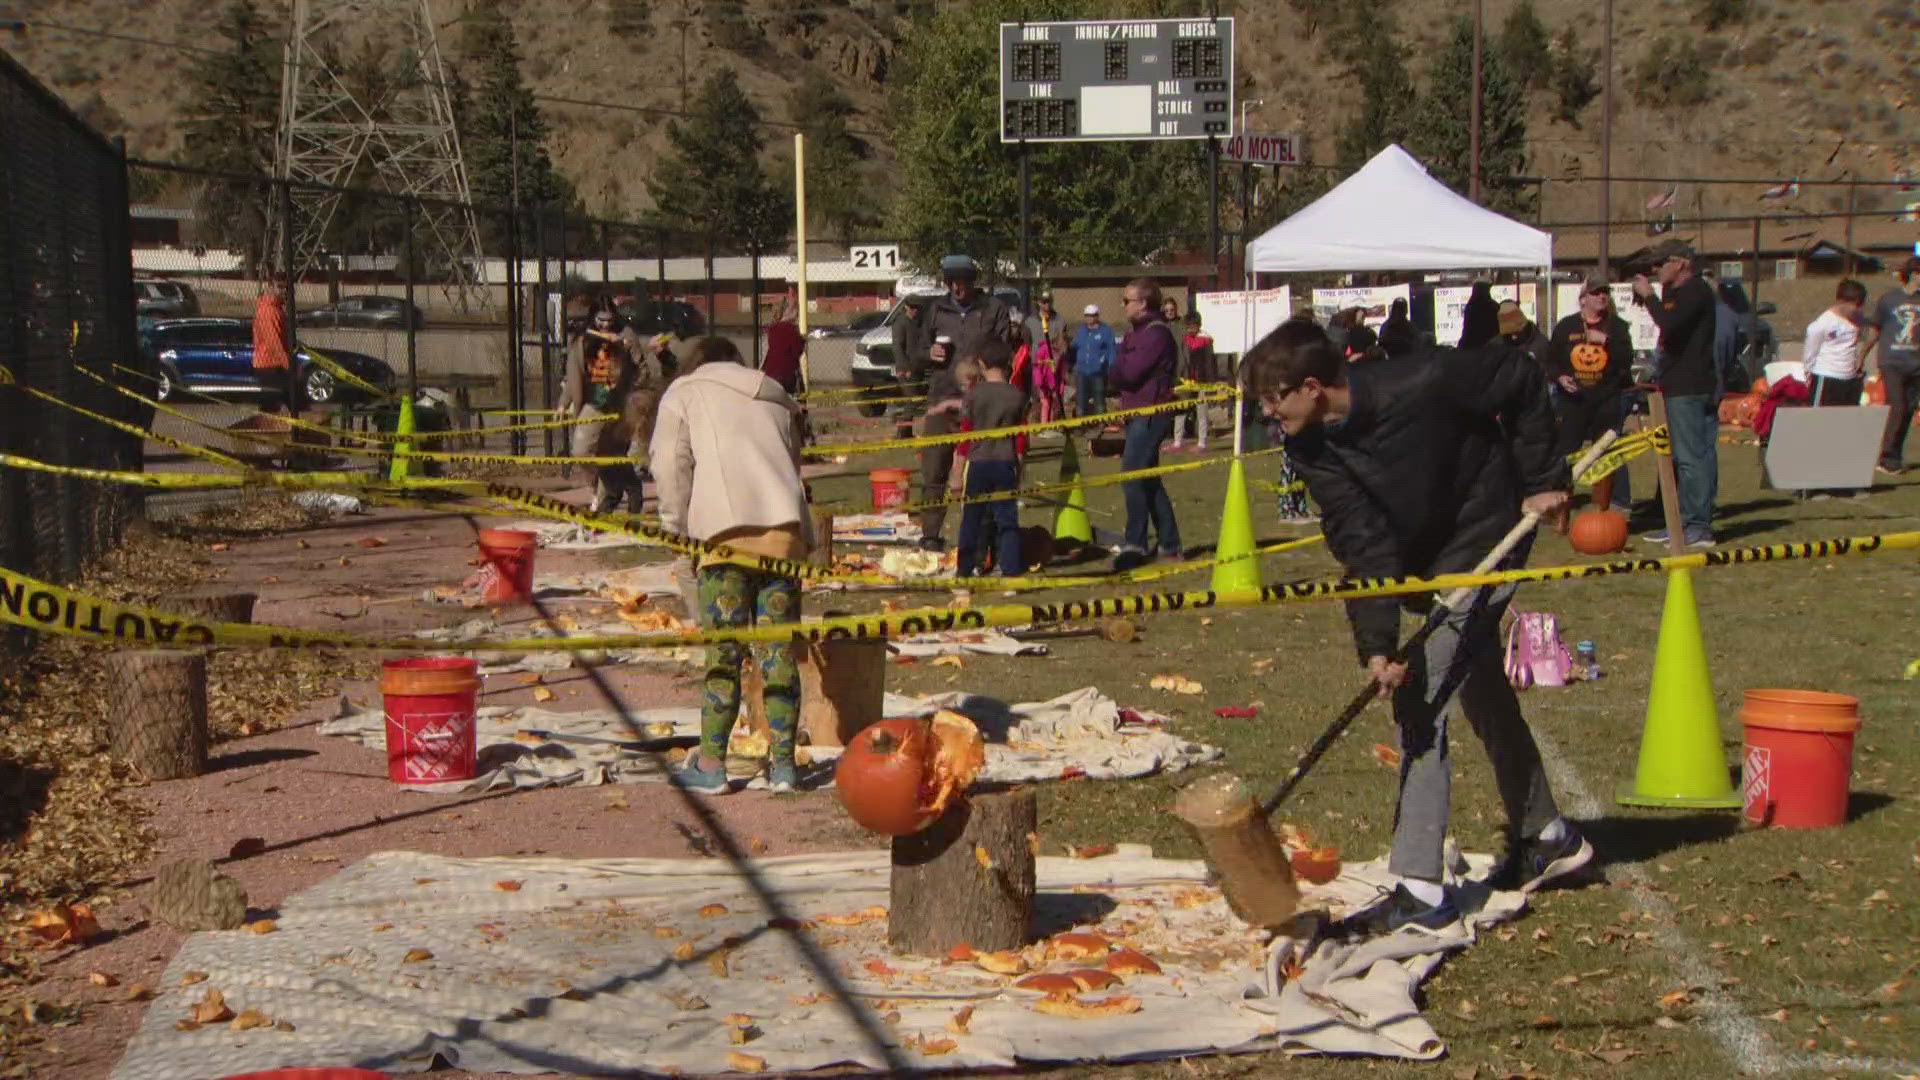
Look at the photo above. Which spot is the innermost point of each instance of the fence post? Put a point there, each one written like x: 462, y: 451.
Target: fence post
x: 541, y: 321
x: 511, y: 274
x: 65, y: 327
x: 406, y: 254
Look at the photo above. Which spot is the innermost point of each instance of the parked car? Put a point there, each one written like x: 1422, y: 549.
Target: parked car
x: 370, y: 312
x: 873, y: 358
x: 157, y: 299
x: 648, y: 316
x: 215, y: 356
x: 855, y: 329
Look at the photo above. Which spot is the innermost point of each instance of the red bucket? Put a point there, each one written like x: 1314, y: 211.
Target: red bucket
x: 430, y: 726
x: 506, y: 556
x: 890, y: 487
x: 1799, y: 757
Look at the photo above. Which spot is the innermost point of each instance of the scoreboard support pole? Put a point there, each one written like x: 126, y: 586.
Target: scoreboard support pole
x: 1026, y: 218
x: 1213, y: 206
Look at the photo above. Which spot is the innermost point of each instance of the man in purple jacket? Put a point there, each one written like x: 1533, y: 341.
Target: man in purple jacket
x: 1143, y: 372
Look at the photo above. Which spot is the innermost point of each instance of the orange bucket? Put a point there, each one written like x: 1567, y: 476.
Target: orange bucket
x: 1798, y: 761
x: 506, y: 557
x: 890, y: 487
x: 430, y: 706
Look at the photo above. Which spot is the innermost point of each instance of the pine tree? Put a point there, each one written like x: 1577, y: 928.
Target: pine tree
x: 1387, y: 106
x: 713, y: 184
x: 1575, y: 82
x: 1441, y: 133
x: 1525, y: 46
x: 231, y: 119
x: 495, y: 111
x: 839, y: 201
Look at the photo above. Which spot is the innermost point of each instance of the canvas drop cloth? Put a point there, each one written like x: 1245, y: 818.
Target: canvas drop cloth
x: 1082, y: 733
x: 536, y: 965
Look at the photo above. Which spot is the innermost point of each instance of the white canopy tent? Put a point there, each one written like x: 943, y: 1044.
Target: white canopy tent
x: 1392, y: 215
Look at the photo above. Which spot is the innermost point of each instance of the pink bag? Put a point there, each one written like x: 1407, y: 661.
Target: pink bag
x: 1535, y: 655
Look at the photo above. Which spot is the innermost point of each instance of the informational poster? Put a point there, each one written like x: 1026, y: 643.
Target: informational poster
x: 1646, y: 335
x: 1377, y: 300
x: 1238, y: 320
x: 1450, y: 306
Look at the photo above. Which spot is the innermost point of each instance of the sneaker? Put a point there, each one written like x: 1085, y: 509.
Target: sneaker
x: 1705, y: 540
x: 1889, y: 470
x: 1173, y: 556
x: 1401, y: 908
x: 782, y: 779
x: 1531, y: 864
x: 1660, y: 537
x: 932, y: 543
x: 702, y: 781
x: 1128, y: 559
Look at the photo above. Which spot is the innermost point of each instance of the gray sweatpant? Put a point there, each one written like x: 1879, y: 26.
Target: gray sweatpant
x: 1462, y: 663
x: 610, y: 482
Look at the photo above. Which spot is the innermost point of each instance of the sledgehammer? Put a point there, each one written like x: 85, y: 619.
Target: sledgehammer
x: 1255, y: 873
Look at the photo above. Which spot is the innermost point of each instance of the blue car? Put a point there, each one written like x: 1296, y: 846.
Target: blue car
x: 215, y: 356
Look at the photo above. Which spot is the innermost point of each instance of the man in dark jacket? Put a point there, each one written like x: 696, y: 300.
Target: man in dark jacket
x: 961, y: 323
x: 1420, y: 465
x: 1589, y: 363
x: 1686, y: 312
x: 1143, y: 372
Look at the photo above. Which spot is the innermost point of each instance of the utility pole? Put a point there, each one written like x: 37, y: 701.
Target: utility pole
x: 1606, y: 138
x: 1473, y: 129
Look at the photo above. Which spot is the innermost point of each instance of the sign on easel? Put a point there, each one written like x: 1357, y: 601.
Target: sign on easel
x: 1829, y: 447
x: 1238, y: 320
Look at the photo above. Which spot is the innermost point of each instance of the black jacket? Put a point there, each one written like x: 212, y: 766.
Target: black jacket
x: 1426, y: 472
x: 1606, y: 377
x: 973, y: 329
x: 1687, y: 315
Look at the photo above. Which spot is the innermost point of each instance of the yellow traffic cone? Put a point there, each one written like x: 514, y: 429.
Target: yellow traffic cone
x: 1070, y: 525
x: 1242, y: 574
x: 1681, y: 759
x: 403, y: 463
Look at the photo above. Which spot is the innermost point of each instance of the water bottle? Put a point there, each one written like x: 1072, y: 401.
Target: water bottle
x: 1587, y: 659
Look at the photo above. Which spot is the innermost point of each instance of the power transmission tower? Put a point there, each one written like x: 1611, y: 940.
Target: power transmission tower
x: 392, y: 134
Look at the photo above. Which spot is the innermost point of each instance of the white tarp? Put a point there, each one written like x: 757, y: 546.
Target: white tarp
x: 1450, y: 307
x: 1238, y: 320
x: 1391, y: 215
x: 1375, y: 300
x: 1646, y: 333
x: 622, y: 966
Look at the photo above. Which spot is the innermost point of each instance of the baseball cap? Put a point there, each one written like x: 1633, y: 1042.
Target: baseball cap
x: 1091, y: 309
x: 1671, y: 249
x: 958, y: 266
x: 1044, y: 294
x: 1595, y: 284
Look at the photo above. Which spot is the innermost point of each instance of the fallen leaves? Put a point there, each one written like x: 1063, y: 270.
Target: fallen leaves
x: 417, y: 956
x: 541, y: 693
x: 712, y: 911
x: 745, y: 1063
x: 507, y: 886
x: 262, y: 926
x: 210, y: 1009
x: 250, y: 1019
x: 192, y: 977
x: 953, y: 660
x: 372, y: 542
x: 101, y: 978
x: 683, y: 952
x: 1386, y: 755
x: 63, y: 924
x: 957, y: 1023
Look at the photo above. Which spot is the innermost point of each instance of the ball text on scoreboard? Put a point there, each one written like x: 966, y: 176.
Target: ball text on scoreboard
x: 1116, y: 79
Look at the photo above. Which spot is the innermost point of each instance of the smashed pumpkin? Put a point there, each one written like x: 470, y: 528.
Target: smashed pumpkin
x: 899, y: 775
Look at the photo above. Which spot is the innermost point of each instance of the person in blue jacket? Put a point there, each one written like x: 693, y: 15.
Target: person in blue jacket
x: 1094, y: 348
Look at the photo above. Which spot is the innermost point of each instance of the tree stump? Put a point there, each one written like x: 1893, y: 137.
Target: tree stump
x: 843, y: 685
x: 213, y: 605
x: 157, y: 711
x: 943, y: 894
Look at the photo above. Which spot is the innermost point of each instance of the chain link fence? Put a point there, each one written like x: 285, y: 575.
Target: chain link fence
x: 66, y: 306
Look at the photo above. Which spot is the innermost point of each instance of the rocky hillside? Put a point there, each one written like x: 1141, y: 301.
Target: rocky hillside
x: 1807, y: 88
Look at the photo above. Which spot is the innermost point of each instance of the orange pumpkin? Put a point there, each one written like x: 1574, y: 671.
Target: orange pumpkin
x: 899, y: 775
x: 1316, y: 866
x: 1599, y: 532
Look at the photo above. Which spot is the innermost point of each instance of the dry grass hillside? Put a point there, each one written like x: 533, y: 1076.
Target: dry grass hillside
x: 1812, y: 88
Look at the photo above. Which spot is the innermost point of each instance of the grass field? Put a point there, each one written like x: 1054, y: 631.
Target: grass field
x: 1709, y: 949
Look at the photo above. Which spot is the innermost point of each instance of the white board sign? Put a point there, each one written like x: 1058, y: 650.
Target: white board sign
x: 1262, y: 148
x: 1376, y: 299
x: 1238, y: 320
x: 1646, y: 333
x: 1450, y: 305
x: 874, y: 256
x: 1828, y: 447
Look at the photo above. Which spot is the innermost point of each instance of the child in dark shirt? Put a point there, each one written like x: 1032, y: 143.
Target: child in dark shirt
x: 992, y: 465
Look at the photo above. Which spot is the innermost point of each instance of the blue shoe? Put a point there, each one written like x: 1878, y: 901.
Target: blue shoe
x: 702, y: 781
x: 1401, y: 908
x: 782, y: 778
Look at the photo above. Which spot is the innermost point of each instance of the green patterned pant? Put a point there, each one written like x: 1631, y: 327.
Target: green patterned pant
x: 733, y: 595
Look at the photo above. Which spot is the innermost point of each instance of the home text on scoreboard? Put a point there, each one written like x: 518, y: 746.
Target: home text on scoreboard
x: 1116, y: 79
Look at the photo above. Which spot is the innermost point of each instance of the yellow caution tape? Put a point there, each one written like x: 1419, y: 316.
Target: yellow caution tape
x: 7, y: 379
x: 330, y: 367
x: 1006, y: 432
x: 38, y: 605
x: 1101, y: 480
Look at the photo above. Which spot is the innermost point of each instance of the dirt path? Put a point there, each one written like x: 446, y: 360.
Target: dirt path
x: 284, y: 810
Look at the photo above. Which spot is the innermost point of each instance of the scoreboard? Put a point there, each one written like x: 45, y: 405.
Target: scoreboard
x: 1116, y: 79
